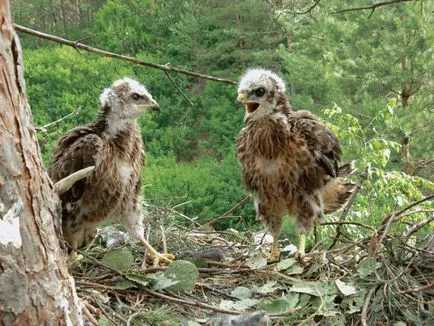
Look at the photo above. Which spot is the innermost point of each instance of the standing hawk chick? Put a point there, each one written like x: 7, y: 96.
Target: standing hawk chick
x: 113, y: 144
x: 289, y: 159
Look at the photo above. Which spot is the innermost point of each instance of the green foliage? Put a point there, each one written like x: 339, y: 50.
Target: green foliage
x: 378, y: 70
x: 184, y: 273
x: 119, y: 259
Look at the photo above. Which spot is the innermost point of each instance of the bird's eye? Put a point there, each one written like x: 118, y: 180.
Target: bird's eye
x: 135, y: 96
x: 260, y: 91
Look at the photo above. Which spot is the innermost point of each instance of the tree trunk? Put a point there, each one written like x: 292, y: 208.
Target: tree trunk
x: 35, y: 287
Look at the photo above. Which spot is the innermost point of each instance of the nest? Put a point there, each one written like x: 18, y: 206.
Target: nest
x: 380, y: 277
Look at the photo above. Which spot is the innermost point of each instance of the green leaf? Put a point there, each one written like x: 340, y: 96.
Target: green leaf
x: 256, y: 262
x: 238, y: 305
x: 119, y: 259
x: 278, y: 305
x: 267, y: 288
x: 104, y: 321
x: 367, y: 267
x: 124, y: 285
x: 139, y: 279
x: 241, y: 292
x: 161, y: 282
x: 185, y: 273
x: 285, y: 264
x: 294, y: 270
x: 345, y: 288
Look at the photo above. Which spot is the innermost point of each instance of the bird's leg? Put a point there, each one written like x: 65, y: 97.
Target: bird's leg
x: 301, y: 246
x: 74, y: 258
x: 133, y: 223
x: 154, y: 255
x: 275, y: 252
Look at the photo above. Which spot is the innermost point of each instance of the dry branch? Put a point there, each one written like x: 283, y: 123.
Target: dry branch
x: 44, y: 127
x: 417, y: 227
x: 65, y: 184
x: 78, y: 45
x: 371, y: 7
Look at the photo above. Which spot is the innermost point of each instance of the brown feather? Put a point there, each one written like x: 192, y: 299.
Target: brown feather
x: 290, y: 164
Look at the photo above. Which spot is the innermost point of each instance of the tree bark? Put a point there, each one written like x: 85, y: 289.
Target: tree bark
x: 35, y: 287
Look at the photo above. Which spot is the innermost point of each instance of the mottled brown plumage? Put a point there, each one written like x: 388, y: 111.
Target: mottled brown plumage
x: 289, y: 159
x: 113, y: 144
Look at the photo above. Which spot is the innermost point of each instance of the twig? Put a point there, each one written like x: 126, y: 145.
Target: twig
x: 278, y: 315
x: 65, y: 184
x: 85, y: 47
x: 372, y: 7
x: 194, y: 303
x: 348, y: 223
x: 346, y: 210
x: 417, y: 227
x: 85, y: 38
x: 89, y: 314
x: 382, y: 235
x: 365, y: 306
x: 307, y: 10
x: 419, y: 289
x: 44, y: 128
x: 226, y: 214
x: 171, y: 210
x: 178, y: 89
x: 398, y: 214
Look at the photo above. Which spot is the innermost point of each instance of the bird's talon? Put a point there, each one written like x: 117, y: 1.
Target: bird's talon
x: 74, y: 260
x: 165, y: 258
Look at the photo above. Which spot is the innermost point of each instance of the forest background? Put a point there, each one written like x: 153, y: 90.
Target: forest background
x: 367, y: 74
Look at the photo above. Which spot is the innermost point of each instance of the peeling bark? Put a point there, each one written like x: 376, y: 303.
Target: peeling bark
x: 35, y: 287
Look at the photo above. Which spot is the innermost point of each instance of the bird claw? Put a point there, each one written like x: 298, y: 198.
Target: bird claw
x: 274, y: 257
x: 157, y: 258
x: 302, y: 258
x: 74, y: 260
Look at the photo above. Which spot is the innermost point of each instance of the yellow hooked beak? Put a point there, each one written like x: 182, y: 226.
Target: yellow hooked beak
x: 154, y: 106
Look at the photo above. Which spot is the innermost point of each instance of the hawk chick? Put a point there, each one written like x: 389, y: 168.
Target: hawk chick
x: 113, y: 144
x: 289, y: 159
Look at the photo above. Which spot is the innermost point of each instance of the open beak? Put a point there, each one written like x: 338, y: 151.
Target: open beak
x: 250, y: 106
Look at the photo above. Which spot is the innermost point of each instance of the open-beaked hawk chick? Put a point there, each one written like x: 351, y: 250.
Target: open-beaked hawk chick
x: 114, y: 146
x: 289, y: 159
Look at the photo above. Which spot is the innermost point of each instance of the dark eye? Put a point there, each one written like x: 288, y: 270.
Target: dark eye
x: 260, y: 91
x: 135, y: 96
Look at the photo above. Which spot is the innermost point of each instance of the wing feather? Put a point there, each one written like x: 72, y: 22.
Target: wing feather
x: 321, y: 141
x: 74, y: 151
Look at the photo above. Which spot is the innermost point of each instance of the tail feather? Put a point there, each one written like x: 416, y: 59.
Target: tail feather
x: 336, y: 194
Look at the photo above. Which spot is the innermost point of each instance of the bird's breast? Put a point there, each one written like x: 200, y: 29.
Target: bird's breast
x: 124, y: 170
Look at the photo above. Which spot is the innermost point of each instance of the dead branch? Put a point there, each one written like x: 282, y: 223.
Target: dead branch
x: 417, y: 227
x: 65, y: 184
x: 194, y: 303
x: 365, y: 307
x: 307, y: 10
x: 371, y: 7
x: 78, y: 45
x: 178, y: 89
x: 279, y: 315
x: 395, y: 216
x: 349, y: 223
x: 419, y: 289
x: 44, y: 128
